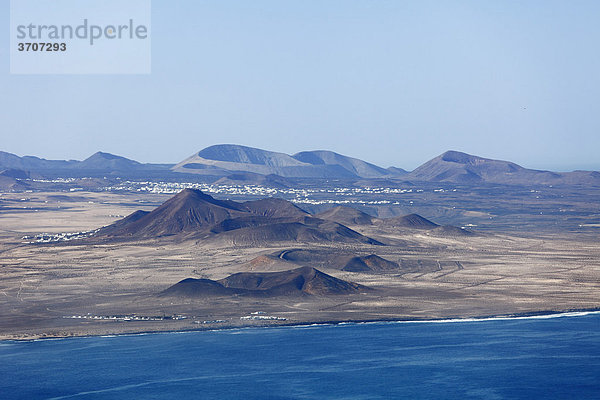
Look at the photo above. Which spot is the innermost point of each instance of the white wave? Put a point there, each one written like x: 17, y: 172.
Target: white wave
x: 341, y: 324
x: 504, y: 318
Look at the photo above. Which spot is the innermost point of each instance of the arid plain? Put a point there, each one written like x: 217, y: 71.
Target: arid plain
x: 114, y: 287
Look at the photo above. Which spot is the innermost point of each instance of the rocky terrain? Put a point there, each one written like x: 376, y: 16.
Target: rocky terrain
x: 235, y: 164
x: 199, y: 261
x: 109, y: 245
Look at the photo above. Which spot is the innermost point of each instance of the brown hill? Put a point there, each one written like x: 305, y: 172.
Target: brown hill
x: 192, y: 212
x: 274, y: 208
x: 450, y: 231
x: 370, y: 263
x: 308, y: 230
x: 341, y: 260
x: 457, y: 167
x: 346, y: 216
x: 414, y: 221
x: 268, y: 263
x: 300, y: 281
x: 191, y: 287
x: 188, y: 211
x: 125, y: 222
x: 318, y: 258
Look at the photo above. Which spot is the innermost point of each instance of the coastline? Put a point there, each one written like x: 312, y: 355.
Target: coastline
x: 80, y: 289
x: 542, y: 314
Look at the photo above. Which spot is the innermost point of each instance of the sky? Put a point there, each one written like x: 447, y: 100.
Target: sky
x: 391, y: 82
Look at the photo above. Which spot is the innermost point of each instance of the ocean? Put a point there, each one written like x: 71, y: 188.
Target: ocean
x: 544, y: 357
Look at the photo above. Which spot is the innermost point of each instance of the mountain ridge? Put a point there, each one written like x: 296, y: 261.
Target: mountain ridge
x: 300, y: 281
x: 306, y: 164
x: 458, y: 167
x: 99, y: 161
x: 194, y: 213
x: 235, y: 163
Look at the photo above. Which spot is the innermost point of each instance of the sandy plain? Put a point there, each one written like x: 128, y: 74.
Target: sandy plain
x: 43, y: 285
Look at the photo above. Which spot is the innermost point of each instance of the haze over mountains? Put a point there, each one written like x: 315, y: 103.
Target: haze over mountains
x: 307, y: 164
x: 454, y: 166
x: 235, y: 164
x: 98, y: 161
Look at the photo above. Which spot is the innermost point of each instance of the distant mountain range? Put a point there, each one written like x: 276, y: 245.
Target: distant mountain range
x: 235, y: 164
x: 454, y: 166
x: 99, y: 161
x: 307, y: 164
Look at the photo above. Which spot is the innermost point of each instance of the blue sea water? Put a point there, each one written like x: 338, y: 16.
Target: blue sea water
x: 532, y: 358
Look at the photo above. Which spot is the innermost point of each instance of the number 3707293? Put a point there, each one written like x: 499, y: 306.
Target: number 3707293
x: 42, y: 46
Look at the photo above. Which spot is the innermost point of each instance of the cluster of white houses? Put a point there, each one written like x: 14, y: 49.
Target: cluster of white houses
x: 131, y: 317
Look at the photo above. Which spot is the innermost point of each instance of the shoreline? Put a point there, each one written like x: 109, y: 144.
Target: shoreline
x: 547, y: 314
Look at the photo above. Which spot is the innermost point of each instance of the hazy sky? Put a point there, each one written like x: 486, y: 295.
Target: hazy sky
x: 391, y: 82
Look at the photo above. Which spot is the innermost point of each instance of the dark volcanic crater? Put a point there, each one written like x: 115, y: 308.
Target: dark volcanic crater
x: 193, y: 213
x: 300, y: 281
